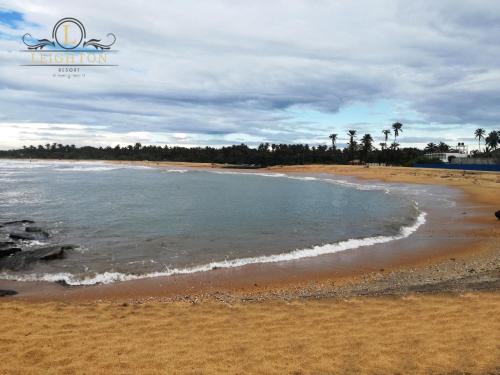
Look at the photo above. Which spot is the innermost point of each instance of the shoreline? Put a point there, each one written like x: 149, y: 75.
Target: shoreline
x: 345, y: 269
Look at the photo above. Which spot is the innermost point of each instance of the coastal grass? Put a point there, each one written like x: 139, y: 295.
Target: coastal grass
x: 417, y: 334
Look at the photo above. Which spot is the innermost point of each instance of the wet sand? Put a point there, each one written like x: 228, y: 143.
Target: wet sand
x: 426, y: 304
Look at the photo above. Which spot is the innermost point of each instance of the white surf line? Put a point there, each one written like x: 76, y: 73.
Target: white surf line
x: 110, y: 277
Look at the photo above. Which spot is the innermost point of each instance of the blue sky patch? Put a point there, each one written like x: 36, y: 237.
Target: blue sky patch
x: 11, y: 18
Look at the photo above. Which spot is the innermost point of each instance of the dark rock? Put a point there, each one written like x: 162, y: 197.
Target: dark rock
x: 6, y: 292
x: 9, y: 251
x: 37, y: 231
x: 497, y: 214
x: 33, y: 229
x: 24, y: 259
x: 19, y: 222
x: 5, y: 244
x: 22, y: 236
x: 48, y: 253
x: 25, y: 236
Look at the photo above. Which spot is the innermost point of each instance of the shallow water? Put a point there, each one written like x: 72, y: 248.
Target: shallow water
x: 131, y: 221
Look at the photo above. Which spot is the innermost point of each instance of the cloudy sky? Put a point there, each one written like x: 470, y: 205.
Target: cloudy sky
x: 231, y: 71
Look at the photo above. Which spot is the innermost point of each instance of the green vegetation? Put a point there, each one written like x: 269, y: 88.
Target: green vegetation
x: 265, y: 154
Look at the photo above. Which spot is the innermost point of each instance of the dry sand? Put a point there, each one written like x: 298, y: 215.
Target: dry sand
x: 411, y: 335
x: 419, y: 331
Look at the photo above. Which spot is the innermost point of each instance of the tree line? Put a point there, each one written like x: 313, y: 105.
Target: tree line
x: 362, y: 150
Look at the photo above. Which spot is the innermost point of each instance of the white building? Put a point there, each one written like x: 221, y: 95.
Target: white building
x: 461, y: 151
x: 445, y: 157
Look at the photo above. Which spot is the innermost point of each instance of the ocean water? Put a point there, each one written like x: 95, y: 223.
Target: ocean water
x: 131, y: 222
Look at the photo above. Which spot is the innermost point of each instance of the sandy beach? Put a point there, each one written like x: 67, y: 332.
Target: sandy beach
x: 409, y: 335
x: 418, y: 307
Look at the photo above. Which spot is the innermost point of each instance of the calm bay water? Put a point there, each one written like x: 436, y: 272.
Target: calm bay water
x: 133, y: 221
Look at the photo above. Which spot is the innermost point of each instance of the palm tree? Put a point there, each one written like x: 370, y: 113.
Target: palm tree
x: 443, y: 147
x: 431, y: 147
x: 493, y: 139
x: 366, y: 144
x: 386, y: 134
x: 394, y: 145
x: 397, y: 127
x: 351, y: 134
x: 333, y: 137
x: 479, y: 134
x: 352, y: 143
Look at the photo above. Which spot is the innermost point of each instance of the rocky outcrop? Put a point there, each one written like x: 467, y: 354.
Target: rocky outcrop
x: 18, y: 222
x: 24, y: 259
x: 17, y: 234
x: 26, y: 236
x: 9, y: 251
x: 51, y: 252
x: 33, y: 229
x: 22, y: 236
x: 22, y: 230
x: 6, y: 244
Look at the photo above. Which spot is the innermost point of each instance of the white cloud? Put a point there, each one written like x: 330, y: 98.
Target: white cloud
x: 228, y: 71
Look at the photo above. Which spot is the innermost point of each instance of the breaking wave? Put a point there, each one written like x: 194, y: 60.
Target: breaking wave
x: 110, y: 277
